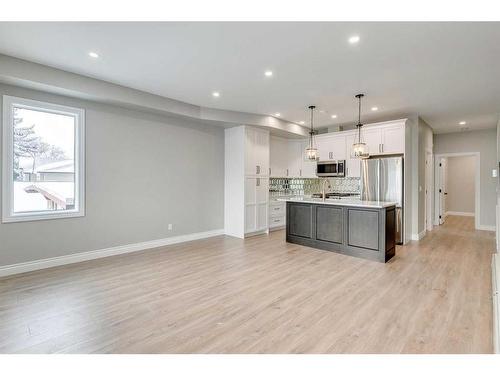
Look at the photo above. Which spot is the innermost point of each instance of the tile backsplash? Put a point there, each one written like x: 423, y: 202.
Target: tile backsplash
x: 307, y: 186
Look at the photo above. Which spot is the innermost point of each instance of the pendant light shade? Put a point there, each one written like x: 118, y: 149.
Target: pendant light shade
x: 311, y: 152
x: 359, y: 149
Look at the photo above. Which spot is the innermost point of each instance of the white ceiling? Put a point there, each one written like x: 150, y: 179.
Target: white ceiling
x: 445, y: 72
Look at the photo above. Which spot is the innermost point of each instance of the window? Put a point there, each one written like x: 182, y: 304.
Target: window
x: 43, y: 160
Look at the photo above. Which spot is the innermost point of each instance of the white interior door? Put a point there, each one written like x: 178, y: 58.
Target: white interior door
x: 442, y: 190
x: 428, y: 190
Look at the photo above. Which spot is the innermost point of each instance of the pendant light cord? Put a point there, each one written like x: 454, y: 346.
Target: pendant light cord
x: 311, y: 132
x: 359, y: 96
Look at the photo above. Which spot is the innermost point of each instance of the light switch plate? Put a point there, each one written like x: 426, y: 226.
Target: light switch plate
x: 494, y: 173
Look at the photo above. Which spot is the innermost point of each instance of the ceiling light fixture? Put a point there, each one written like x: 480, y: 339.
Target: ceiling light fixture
x: 277, y: 114
x: 334, y: 116
x: 268, y: 73
x: 374, y: 109
x: 462, y: 123
x: 359, y: 149
x: 354, y: 39
x: 216, y: 94
x: 311, y: 151
x: 301, y: 122
x: 94, y: 55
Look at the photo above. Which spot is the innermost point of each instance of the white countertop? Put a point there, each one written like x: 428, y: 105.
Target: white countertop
x: 340, y: 202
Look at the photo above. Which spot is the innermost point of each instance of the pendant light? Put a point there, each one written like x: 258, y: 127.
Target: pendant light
x: 311, y: 151
x: 359, y: 149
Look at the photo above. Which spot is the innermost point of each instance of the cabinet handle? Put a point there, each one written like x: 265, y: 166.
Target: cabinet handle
x: 379, y: 148
x: 300, y: 172
x: 257, y: 182
x: 276, y: 220
x: 258, y: 169
x: 382, y: 147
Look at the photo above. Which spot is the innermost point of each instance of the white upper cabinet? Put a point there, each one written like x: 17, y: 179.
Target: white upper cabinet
x: 294, y: 158
x: 353, y: 165
x: 256, y: 152
x: 331, y: 147
x: 308, y: 167
x: 373, y: 139
x: 393, y: 139
x: 287, y: 158
x: 278, y: 156
x: 386, y: 139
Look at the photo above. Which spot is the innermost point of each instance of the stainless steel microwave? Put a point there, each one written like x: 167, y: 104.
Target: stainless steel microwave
x: 331, y: 168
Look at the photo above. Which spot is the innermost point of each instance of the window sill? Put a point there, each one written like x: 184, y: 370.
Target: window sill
x: 36, y: 217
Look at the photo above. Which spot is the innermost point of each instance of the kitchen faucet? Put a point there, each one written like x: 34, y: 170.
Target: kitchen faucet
x: 324, y: 182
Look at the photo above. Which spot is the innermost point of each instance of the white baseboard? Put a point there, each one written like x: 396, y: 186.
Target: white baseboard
x: 419, y: 236
x: 490, y: 228
x: 495, y: 287
x: 457, y: 213
x: 102, y: 253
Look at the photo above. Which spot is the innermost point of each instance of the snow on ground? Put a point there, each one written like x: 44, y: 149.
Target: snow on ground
x: 24, y: 201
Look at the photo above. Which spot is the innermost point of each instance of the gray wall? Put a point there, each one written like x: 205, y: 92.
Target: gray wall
x: 484, y: 142
x: 143, y: 171
x: 460, y: 184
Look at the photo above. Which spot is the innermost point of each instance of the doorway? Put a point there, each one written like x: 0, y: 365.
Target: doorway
x: 457, y: 186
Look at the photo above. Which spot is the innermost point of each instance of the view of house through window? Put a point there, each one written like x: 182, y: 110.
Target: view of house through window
x: 43, y: 160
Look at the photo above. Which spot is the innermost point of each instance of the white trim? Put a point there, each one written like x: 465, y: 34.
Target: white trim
x: 457, y: 213
x: 419, y: 236
x: 8, y: 215
x: 102, y: 253
x: 429, y: 188
x: 490, y: 228
x: 495, y: 287
x: 477, y: 187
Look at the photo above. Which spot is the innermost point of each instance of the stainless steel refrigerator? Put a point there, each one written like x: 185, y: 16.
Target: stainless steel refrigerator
x: 382, y: 180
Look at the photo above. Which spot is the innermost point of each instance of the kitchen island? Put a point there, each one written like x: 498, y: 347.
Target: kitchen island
x: 365, y: 229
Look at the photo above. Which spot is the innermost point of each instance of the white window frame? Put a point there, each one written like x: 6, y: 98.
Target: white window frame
x: 8, y: 214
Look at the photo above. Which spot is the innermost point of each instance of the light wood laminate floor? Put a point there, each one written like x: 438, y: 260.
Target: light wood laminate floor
x: 260, y: 295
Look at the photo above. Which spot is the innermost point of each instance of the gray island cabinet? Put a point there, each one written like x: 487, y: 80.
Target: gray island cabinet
x: 357, y: 228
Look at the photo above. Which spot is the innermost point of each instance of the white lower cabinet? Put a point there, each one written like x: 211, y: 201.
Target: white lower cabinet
x: 277, y: 215
x: 256, y: 204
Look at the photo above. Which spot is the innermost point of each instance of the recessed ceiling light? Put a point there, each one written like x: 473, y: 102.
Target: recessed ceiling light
x: 302, y: 122
x: 94, y: 55
x: 462, y: 123
x: 334, y: 116
x: 277, y: 114
x: 374, y: 108
x: 268, y: 73
x: 354, y: 39
x: 216, y: 94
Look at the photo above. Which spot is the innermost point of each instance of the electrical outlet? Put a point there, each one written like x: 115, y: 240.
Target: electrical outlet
x: 169, y: 226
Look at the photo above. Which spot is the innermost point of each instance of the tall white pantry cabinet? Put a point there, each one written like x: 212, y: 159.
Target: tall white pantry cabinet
x: 246, y: 181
